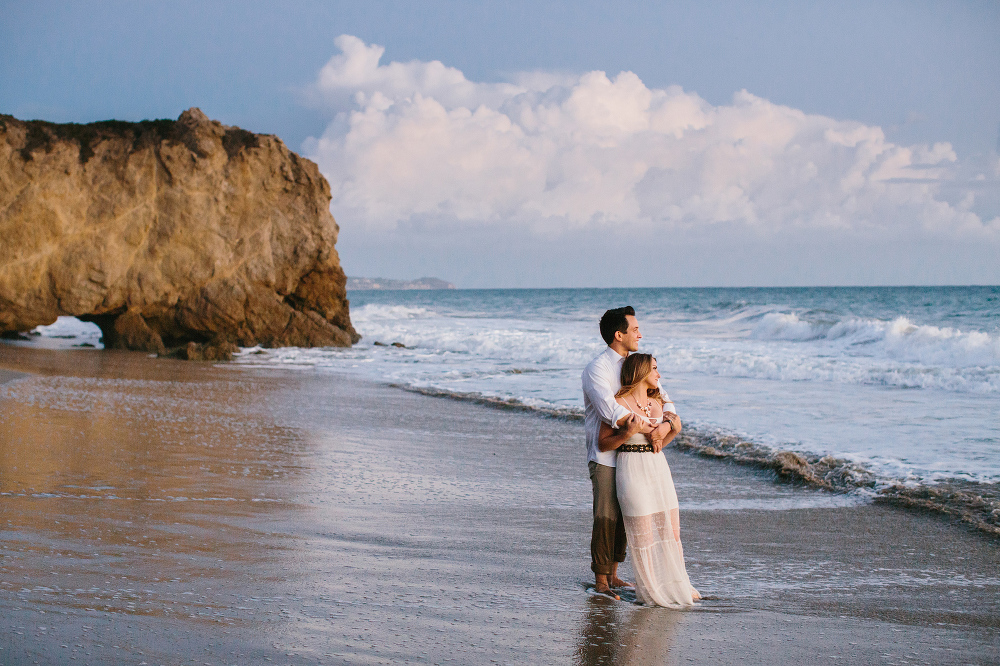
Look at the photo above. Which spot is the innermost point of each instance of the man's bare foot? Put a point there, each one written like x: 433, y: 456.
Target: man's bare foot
x: 618, y: 582
x: 602, y: 588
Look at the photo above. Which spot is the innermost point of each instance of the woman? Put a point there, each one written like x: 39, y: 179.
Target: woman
x: 645, y: 488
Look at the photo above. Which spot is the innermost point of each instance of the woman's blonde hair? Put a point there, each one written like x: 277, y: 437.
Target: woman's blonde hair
x: 635, y: 368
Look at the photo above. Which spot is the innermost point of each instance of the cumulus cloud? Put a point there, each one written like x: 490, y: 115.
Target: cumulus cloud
x: 418, y: 142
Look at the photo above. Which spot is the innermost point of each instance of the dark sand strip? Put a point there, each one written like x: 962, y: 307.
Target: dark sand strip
x: 163, y: 512
x: 9, y: 376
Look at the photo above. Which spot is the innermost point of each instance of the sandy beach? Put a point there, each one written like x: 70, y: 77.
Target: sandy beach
x: 168, y: 512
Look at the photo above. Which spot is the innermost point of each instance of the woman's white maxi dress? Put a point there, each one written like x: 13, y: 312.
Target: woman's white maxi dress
x: 649, y: 506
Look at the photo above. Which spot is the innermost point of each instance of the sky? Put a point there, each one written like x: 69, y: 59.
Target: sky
x: 579, y: 144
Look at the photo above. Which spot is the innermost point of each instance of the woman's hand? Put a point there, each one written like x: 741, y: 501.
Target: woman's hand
x: 665, y: 432
x: 645, y: 427
x: 658, y: 437
x: 633, y: 425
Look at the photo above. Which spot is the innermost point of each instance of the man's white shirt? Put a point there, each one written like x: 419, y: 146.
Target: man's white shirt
x: 601, y: 380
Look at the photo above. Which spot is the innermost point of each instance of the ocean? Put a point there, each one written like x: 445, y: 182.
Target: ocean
x: 903, y: 382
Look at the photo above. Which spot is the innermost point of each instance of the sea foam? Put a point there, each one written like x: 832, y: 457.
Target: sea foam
x: 899, y: 339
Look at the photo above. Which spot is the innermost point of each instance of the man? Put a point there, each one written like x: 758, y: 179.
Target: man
x: 601, y: 380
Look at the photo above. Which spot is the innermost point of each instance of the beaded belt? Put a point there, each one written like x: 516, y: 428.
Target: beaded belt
x: 636, y: 448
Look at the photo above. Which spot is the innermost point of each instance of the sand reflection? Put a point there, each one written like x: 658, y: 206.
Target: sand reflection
x: 137, y: 492
x: 621, y: 633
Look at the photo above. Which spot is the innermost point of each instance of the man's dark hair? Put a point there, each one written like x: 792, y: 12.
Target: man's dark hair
x: 614, y: 321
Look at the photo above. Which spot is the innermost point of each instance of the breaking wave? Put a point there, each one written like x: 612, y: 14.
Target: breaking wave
x: 899, y: 339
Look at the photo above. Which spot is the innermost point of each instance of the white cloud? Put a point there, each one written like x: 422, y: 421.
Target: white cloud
x: 419, y: 144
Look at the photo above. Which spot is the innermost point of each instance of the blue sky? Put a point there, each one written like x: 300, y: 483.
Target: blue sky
x: 921, y: 73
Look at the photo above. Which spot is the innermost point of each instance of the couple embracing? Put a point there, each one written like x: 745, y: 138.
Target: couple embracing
x: 629, y: 419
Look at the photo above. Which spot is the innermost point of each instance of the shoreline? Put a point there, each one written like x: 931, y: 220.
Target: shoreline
x: 974, y: 503
x: 239, y: 514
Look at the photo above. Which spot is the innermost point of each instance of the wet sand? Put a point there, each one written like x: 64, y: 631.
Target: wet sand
x: 169, y: 512
x: 8, y: 375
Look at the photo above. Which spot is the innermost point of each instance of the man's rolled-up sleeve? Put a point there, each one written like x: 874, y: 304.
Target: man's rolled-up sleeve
x: 597, y: 384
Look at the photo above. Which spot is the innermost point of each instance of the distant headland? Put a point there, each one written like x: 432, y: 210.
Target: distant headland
x: 361, y: 284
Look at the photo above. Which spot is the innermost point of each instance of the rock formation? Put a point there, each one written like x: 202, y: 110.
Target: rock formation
x: 166, y: 233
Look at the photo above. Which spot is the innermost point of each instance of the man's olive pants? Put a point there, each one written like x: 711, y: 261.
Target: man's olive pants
x: 607, y: 541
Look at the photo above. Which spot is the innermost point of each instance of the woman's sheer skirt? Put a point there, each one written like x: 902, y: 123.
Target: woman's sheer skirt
x: 649, y: 507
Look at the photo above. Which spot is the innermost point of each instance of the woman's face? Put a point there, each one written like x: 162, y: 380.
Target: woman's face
x: 653, y: 375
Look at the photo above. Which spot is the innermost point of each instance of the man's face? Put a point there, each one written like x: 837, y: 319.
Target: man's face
x: 631, y: 337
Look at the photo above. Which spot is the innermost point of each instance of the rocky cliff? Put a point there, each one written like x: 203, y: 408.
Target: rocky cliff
x: 167, y: 233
